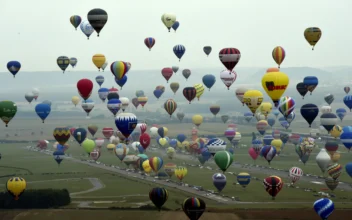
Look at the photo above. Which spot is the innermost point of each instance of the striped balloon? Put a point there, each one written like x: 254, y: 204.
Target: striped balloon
x: 244, y: 179
x: 229, y: 57
x: 324, y: 207
x: 170, y: 106
x: 331, y: 183
x: 189, y: 93
x: 295, y: 174
x: 75, y: 20
x: 279, y: 55
x: 286, y: 106
x: 61, y: 134
x: 158, y: 196
x: 156, y: 163
x: 334, y: 170
x: 273, y: 185
x: 179, y: 51
x: 199, y: 90
x: 149, y: 42
x: 193, y: 207
x: 119, y: 69
x: 262, y: 125
x: 328, y: 121
x: 329, y: 98
x: 142, y: 100
x: 268, y: 152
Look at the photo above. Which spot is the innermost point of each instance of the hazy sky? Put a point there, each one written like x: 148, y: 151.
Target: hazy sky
x: 36, y: 32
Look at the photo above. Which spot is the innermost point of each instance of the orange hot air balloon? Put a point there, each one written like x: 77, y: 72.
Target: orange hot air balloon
x: 279, y: 55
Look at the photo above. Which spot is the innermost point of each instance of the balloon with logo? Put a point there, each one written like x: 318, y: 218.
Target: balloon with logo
x: 336, y: 131
x: 126, y: 123
x: 253, y: 99
x: 273, y: 185
x: 312, y: 35
x: 324, y: 207
x: 228, y: 77
x: 223, y: 160
x: 275, y: 84
x: 219, y: 181
x: 156, y: 163
x: 80, y: 134
x: 168, y: 19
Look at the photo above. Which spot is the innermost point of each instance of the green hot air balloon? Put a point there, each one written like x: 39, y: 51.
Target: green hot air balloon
x: 223, y: 159
x: 88, y: 145
x: 8, y: 110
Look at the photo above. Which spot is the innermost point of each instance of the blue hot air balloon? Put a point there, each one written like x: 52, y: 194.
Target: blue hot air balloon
x: 341, y: 113
x: 346, y: 137
x: 100, y: 80
x: 173, y: 143
x: 42, y: 110
x: 324, y: 207
x: 126, y: 123
x: 103, y: 93
x: 230, y: 150
x: 14, y: 67
x: 248, y: 116
x: 181, y: 137
x: 309, y: 112
x: 271, y: 121
x: 267, y: 139
x: 348, y: 101
x: 284, y: 123
x: 244, y: 179
x: 219, y: 181
x: 310, y: 82
x: 276, y: 112
x: 179, y: 51
x: 86, y: 28
x: 58, y: 156
x: 158, y: 93
x: 122, y: 81
x: 175, y: 25
x: 284, y: 137
x: 348, y: 168
x: 291, y: 117
x: 209, y: 80
x: 114, y: 106
x: 268, y: 152
x: 80, y: 135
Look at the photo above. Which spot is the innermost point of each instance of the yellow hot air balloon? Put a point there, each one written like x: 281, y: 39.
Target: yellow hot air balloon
x: 15, y: 186
x: 197, y: 120
x: 181, y: 172
x: 111, y: 147
x: 199, y: 90
x: 179, y: 145
x: 163, y: 141
x: 170, y: 152
x: 146, y: 166
x: 336, y: 131
x: 168, y: 19
x: 142, y: 100
x: 98, y: 60
x: 312, y: 35
x: 253, y: 99
x: 277, y: 143
x: 185, y: 145
x: 279, y: 55
x: 335, y: 156
x: 75, y: 100
x: 174, y: 86
x: 265, y: 108
x: 275, y: 84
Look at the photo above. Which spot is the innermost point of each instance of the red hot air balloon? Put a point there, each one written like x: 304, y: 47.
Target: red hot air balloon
x: 229, y: 57
x: 144, y: 139
x: 189, y: 93
x: 72, y: 130
x: 167, y: 73
x: 85, y: 87
x: 149, y: 42
x: 273, y: 185
x: 108, y: 132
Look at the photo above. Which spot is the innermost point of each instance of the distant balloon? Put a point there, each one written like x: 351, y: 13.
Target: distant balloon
x: 179, y: 51
x: 14, y: 67
x: 209, y: 80
x: 312, y: 35
x: 229, y: 57
x: 186, y: 73
x: 73, y: 62
x: 207, y: 50
x: 97, y: 18
x: 86, y: 28
x: 278, y: 55
x: 63, y: 62
x: 175, y: 25
x: 302, y: 89
x: 149, y: 42
x: 310, y: 82
x: 219, y: 181
x: 75, y: 21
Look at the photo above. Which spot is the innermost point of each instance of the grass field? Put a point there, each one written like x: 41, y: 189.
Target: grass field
x: 124, y: 191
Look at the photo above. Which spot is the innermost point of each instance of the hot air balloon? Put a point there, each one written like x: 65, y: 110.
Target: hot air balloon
x: 35, y: 92
x: 229, y: 57
x: 166, y: 73
x: 310, y: 82
x: 219, y: 181
x: 197, y: 120
x: 144, y: 140
x: 88, y: 145
x: 98, y: 60
x: 14, y: 67
x: 73, y: 62
x: 170, y: 106
x: 174, y: 86
x: 75, y: 21
x: 175, y: 25
x: 193, y: 207
x: 63, y: 62
x: 224, y: 118
x: 331, y: 183
x: 168, y: 19
x: 262, y: 125
x: 186, y: 73
x: 273, y: 185
x: 214, y: 109
x: 279, y: 55
x: 268, y: 152
x: 119, y: 69
x: 149, y: 42
x: 135, y: 102
x: 329, y: 98
x: 341, y: 113
x: 209, y: 80
x: 244, y: 179
x: 93, y: 129
x: 189, y: 93
x: 223, y: 159
x: 207, y: 50
x: 141, y: 128
x: 336, y: 131
x: 16, y: 186
x: 348, y: 168
x: 346, y: 89
x: 88, y: 106
x: 124, y: 103
x: 179, y: 51
x: 286, y: 106
x: 158, y: 196
x: 275, y: 84
x: 156, y: 163
x: 103, y: 93
x: 99, y: 80
x: 199, y: 90
x: 309, y: 112
x: 295, y: 173
x: 126, y: 123
x: 348, y: 101
x: 253, y: 99
x: 61, y: 134
x: 312, y: 35
x: 86, y: 28
x: 175, y: 69
x: 142, y: 100
x: 334, y: 170
x: 240, y: 93
x: 328, y: 121
x: 85, y: 87
x: 228, y: 78
x: 43, y: 111
x: 180, y: 115
x: 29, y: 97
x: 97, y: 18
x: 181, y: 172
x: 80, y: 134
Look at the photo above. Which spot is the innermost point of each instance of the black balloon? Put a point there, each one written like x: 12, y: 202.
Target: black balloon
x: 97, y: 18
x: 193, y: 207
x: 158, y: 196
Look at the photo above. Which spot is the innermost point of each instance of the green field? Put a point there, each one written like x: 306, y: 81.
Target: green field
x: 127, y: 191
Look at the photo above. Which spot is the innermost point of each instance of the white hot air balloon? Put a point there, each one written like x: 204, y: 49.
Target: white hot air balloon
x: 240, y: 92
x: 35, y: 93
x: 323, y: 159
x: 153, y: 131
x: 124, y: 103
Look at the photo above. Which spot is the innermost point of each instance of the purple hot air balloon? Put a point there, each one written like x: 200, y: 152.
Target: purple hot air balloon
x: 219, y: 181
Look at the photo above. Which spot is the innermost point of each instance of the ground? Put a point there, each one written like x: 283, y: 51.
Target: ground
x: 98, y: 188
